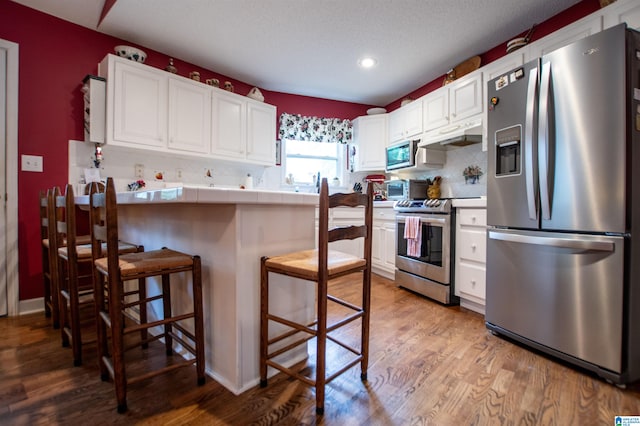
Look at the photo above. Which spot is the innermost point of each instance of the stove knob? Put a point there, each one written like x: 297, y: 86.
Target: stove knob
x: 436, y: 203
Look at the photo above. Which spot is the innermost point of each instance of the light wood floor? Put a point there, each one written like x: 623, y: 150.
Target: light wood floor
x: 429, y: 364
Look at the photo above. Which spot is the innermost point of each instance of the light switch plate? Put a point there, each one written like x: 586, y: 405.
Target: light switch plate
x: 32, y: 163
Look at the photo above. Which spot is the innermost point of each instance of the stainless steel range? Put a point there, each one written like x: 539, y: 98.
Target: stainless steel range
x: 426, y: 268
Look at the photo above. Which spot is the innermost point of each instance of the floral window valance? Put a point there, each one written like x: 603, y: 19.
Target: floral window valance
x: 315, y: 129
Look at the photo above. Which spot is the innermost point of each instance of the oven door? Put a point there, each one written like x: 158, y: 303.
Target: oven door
x: 435, y: 252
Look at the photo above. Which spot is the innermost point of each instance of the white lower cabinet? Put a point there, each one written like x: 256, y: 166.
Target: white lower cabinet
x: 383, y: 250
x: 471, y: 257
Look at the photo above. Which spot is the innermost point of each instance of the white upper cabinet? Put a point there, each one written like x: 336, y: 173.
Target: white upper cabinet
x: 229, y: 130
x: 622, y: 11
x: 493, y: 70
x: 189, y: 116
x: 136, y: 103
x: 454, y: 102
x: 435, y: 109
x: 149, y: 108
x: 405, y: 122
x: 261, y: 133
x: 370, y: 137
x: 243, y: 129
x: 580, y: 29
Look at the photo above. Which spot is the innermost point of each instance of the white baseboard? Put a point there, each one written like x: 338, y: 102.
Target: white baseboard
x: 30, y: 306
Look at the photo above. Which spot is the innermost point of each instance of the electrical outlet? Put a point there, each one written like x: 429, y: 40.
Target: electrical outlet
x: 32, y: 163
x: 139, y: 171
x: 178, y: 174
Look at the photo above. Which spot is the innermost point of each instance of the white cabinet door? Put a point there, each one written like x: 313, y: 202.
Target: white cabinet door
x: 389, y: 255
x: 261, y: 133
x: 580, y: 29
x: 384, y: 241
x: 370, y: 136
x: 189, y: 116
x: 413, y: 119
x: 435, y: 108
x: 229, y: 138
x: 471, y: 257
x: 455, y: 102
x: 465, y: 97
x: 139, y: 105
x: 491, y: 71
x: 622, y: 11
x: 405, y: 122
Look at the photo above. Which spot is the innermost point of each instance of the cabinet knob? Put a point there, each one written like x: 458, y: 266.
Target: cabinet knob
x: 473, y: 218
x: 473, y: 283
x: 473, y: 247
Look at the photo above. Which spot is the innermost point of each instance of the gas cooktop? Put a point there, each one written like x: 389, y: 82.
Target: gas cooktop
x: 433, y: 205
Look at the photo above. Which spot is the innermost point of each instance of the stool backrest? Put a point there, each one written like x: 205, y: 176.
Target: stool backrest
x: 327, y: 235
x: 44, y: 215
x: 103, y: 219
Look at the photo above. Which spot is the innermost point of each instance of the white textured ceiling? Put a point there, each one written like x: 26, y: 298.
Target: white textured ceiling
x: 311, y: 47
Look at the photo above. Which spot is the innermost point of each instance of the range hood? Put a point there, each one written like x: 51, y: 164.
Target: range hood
x: 461, y: 134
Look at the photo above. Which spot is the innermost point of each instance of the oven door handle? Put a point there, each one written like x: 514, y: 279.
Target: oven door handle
x: 439, y: 220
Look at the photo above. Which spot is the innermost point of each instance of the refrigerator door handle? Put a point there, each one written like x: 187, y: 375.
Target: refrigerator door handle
x: 570, y: 243
x: 530, y: 163
x: 543, y: 141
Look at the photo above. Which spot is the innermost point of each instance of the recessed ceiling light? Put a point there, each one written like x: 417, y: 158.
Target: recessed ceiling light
x: 367, y: 62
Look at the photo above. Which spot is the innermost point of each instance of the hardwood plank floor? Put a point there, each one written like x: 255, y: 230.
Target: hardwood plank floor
x: 429, y: 364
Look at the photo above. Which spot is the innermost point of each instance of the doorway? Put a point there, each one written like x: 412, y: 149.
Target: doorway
x: 8, y: 178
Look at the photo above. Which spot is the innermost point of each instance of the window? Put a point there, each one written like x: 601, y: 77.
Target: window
x: 303, y: 160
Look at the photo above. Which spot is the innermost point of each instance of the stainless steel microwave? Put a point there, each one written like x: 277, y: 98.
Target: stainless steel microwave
x: 406, y: 189
x: 401, y: 155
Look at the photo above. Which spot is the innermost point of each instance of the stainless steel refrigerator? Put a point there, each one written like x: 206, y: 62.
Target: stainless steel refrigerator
x: 563, y: 199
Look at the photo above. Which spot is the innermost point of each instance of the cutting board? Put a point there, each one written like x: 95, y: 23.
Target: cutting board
x: 462, y: 69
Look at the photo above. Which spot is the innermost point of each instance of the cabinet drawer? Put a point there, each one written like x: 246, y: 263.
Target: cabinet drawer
x: 471, y: 280
x: 384, y: 213
x: 472, y: 217
x: 472, y: 245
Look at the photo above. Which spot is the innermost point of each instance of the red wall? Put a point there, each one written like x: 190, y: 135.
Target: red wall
x: 54, y: 58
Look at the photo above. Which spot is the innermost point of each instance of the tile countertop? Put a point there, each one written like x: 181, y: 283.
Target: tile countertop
x: 480, y: 202
x: 207, y: 195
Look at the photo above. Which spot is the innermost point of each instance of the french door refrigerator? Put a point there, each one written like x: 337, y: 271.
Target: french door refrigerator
x: 563, y: 199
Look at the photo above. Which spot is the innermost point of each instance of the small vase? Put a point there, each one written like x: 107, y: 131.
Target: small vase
x: 170, y: 68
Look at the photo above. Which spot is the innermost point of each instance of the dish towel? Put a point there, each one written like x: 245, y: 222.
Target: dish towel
x: 413, y: 235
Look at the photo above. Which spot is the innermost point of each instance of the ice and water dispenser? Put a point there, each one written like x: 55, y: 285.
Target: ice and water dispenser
x: 508, y: 151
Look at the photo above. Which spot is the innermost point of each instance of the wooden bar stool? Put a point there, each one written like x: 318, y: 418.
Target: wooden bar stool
x: 50, y: 303
x: 111, y: 274
x: 74, y: 266
x: 319, y: 266
x: 49, y: 256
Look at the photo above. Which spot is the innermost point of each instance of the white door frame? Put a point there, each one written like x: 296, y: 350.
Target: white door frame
x: 11, y: 170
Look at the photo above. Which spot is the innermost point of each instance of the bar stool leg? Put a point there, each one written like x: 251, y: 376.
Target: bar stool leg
x: 166, y: 304
x: 321, y: 344
x: 117, y: 343
x: 264, y: 326
x: 63, y: 308
x: 142, y: 294
x: 198, y: 318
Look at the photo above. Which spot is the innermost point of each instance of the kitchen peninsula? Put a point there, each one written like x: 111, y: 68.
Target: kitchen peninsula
x: 230, y: 229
